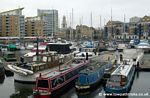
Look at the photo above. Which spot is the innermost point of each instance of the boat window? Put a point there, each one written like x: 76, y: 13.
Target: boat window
x: 123, y: 81
x: 11, y: 55
x: 57, y: 81
x: 90, y: 55
x: 68, y: 75
x: 74, y: 72
x: 56, y: 58
x: 115, y: 78
x: 37, y: 58
x: 44, y: 59
x: 34, y: 58
x: 42, y: 83
x: 59, y: 48
x: 49, y: 59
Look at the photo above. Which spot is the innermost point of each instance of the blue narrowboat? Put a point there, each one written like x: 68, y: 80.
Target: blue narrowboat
x: 92, y: 75
x: 121, y: 79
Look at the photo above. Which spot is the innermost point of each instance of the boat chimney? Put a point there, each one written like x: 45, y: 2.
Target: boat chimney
x: 40, y: 75
x: 37, y: 47
x: 121, y: 57
x: 86, y: 55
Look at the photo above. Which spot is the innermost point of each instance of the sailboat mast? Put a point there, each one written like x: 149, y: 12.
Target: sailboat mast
x: 72, y: 24
x: 100, y: 22
x: 70, y: 27
x: 124, y: 23
x: 111, y: 24
x: 91, y: 20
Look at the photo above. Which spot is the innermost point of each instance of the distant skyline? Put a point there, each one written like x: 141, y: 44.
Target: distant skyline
x: 82, y: 9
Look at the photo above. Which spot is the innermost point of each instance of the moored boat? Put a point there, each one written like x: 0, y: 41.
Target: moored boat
x: 121, y: 79
x: 50, y: 83
x: 57, y: 54
x: 26, y: 72
x: 144, y: 44
x: 90, y: 77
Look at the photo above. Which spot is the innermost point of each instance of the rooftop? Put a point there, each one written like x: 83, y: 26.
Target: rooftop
x: 5, y: 12
x: 123, y: 69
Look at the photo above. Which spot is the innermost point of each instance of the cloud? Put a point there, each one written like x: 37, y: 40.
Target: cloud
x: 83, y: 8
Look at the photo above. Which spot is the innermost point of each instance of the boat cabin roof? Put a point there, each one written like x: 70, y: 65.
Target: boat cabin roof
x: 123, y: 69
x: 64, y: 68
x: 93, y: 67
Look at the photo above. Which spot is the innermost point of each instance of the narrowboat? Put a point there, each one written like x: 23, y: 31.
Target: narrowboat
x: 121, y: 79
x: 90, y: 77
x: 52, y: 82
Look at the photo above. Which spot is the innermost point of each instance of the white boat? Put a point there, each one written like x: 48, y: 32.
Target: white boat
x: 121, y: 47
x: 121, y: 79
x: 58, y: 54
x: 82, y: 55
x: 86, y: 48
x: 27, y: 72
x: 144, y: 44
x: 41, y: 49
x: 30, y: 46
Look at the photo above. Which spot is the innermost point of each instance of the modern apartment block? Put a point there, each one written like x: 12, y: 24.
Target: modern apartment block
x: 12, y: 23
x: 50, y: 18
x: 34, y: 26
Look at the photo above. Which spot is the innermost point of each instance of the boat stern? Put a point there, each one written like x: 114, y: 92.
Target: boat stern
x: 116, y: 91
x: 42, y: 89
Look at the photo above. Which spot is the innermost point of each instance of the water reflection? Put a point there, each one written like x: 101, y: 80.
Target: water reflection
x: 22, y: 90
x: 91, y: 93
x: 2, y: 78
x: 137, y: 74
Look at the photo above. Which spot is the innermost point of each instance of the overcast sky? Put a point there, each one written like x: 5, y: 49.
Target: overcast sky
x: 82, y: 9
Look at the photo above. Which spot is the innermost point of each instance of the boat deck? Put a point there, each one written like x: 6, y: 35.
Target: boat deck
x: 58, y: 70
x: 98, y: 62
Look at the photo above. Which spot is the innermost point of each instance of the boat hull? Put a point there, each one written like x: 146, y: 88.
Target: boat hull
x: 43, y: 96
x: 91, y: 85
x: 122, y: 90
x: 84, y: 88
x: 57, y: 92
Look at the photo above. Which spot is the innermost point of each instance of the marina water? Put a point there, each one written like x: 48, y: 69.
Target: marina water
x: 140, y: 88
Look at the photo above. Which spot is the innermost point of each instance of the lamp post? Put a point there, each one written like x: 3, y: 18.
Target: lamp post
x: 37, y: 46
